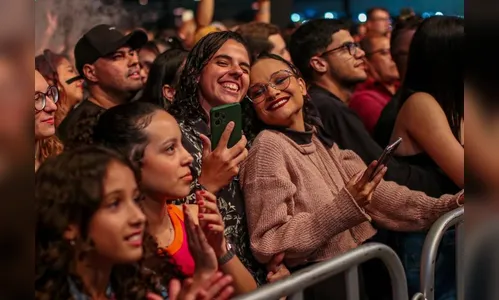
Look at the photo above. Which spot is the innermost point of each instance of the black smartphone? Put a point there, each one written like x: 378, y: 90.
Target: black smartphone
x: 385, y: 157
x: 220, y: 116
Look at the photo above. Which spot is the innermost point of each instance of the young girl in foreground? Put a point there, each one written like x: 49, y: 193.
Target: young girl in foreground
x: 152, y: 139
x: 91, y: 237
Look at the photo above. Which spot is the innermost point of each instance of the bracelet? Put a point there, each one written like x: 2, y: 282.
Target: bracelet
x: 225, y: 258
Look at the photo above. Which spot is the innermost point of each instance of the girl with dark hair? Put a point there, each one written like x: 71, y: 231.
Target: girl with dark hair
x: 216, y: 72
x: 431, y: 122
x: 91, y: 241
x: 306, y: 199
x: 147, y: 54
x: 152, y: 139
x: 431, y: 116
x: 163, y: 77
x: 59, y: 72
x: 90, y: 237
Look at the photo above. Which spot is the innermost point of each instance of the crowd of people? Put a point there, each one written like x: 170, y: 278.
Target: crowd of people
x: 134, y: 202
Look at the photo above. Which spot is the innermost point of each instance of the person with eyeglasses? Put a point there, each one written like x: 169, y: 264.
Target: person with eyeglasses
x: 46, y: 98
x: 58, y: 71
x: 371, y: 96
x: 332, y: 65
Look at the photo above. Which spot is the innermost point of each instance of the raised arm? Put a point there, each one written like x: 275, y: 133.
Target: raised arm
x: 263, y: 13
x: 204, y: 13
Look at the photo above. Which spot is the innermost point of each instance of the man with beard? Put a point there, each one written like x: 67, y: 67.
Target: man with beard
x: 108, y: 61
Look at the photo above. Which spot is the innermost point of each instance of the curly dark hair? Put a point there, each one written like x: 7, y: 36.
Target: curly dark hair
x: 186, y: 107
x: 68, y: 190
x: 122, y: 128
x: 83, y: 130
x: 252, y: 125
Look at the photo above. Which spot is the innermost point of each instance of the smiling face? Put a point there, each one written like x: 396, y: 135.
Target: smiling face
x: 44, y: 118
x: 117, y: 227
x: 225, y: 77
x: 277, y: 94
x: 166, y: 164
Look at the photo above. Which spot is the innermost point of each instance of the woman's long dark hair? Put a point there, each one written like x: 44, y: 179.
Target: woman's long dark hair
x: 164, y: 70
x: 68, y: 191
x: 186, y: 106
x: 436, y: 66
x: 252, y: 125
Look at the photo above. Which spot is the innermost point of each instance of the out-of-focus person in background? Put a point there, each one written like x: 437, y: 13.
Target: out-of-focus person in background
x: 165, y: 72
x: 147, y: 55
x: 264, y: 31
x: 58, y: 71
x: 399, y: 46
x: 371, y: 96
x: 378, y: 22
x: 359, y: 31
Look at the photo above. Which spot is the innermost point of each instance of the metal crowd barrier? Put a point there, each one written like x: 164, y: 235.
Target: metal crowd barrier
x: 294, y: 285
x: 430, y: 250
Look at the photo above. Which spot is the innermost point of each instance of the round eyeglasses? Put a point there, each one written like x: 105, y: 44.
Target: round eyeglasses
x: 279, y: 80
x: 41, y: 98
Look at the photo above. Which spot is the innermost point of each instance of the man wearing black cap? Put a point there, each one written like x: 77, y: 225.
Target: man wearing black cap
x: 108, y: 62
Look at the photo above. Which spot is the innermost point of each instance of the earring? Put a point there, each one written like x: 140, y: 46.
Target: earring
x: 72, y: 242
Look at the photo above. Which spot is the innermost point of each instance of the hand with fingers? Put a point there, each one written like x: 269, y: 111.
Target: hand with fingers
x: 211, y: 221
x: 361, y: 188
x: 207, y: 283
x: 221, y: 165
x: 276, y: 268
x: 52, y: 23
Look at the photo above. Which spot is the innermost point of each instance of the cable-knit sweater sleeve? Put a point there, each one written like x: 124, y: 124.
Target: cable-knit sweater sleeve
x: 396, y: 207
x: 277, y: 221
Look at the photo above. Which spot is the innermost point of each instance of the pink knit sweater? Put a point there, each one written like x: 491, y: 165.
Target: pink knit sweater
x: 297, y: 202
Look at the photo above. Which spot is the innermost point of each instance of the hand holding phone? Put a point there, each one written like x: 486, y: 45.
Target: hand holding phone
x: 385, y: 157
x: 226, y: 150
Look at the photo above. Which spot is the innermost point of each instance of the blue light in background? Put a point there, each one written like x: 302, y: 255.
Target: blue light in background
x: 295, y: 17
x: 426, y: 15
x: 362, y: 17
x: 329, y: 15
x: 310, y: 13
x: 438, y: 13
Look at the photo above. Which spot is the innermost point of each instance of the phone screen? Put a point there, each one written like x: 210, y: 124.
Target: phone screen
x: 385, y: 157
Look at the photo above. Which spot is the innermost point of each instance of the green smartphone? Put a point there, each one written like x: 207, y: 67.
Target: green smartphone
x: 220, y: 116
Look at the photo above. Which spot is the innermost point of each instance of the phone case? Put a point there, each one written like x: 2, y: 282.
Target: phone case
x: 385, y: 157
x: 220, y: 116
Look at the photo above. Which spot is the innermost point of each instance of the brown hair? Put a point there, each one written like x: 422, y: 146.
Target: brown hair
x: 257, y: 30
x: 46, y: 64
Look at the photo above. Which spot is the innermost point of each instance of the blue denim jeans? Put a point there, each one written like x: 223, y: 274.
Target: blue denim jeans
x: 409, y: 247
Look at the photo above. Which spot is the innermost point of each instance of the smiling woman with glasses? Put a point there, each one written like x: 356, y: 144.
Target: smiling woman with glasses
x: 46, y: 97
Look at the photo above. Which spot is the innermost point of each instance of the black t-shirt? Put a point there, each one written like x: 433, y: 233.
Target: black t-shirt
x: 386, y: 122
x: 85, y: 110
x: 345, y: 128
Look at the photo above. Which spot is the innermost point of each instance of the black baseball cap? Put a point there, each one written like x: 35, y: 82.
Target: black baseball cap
x: 103, y: 40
